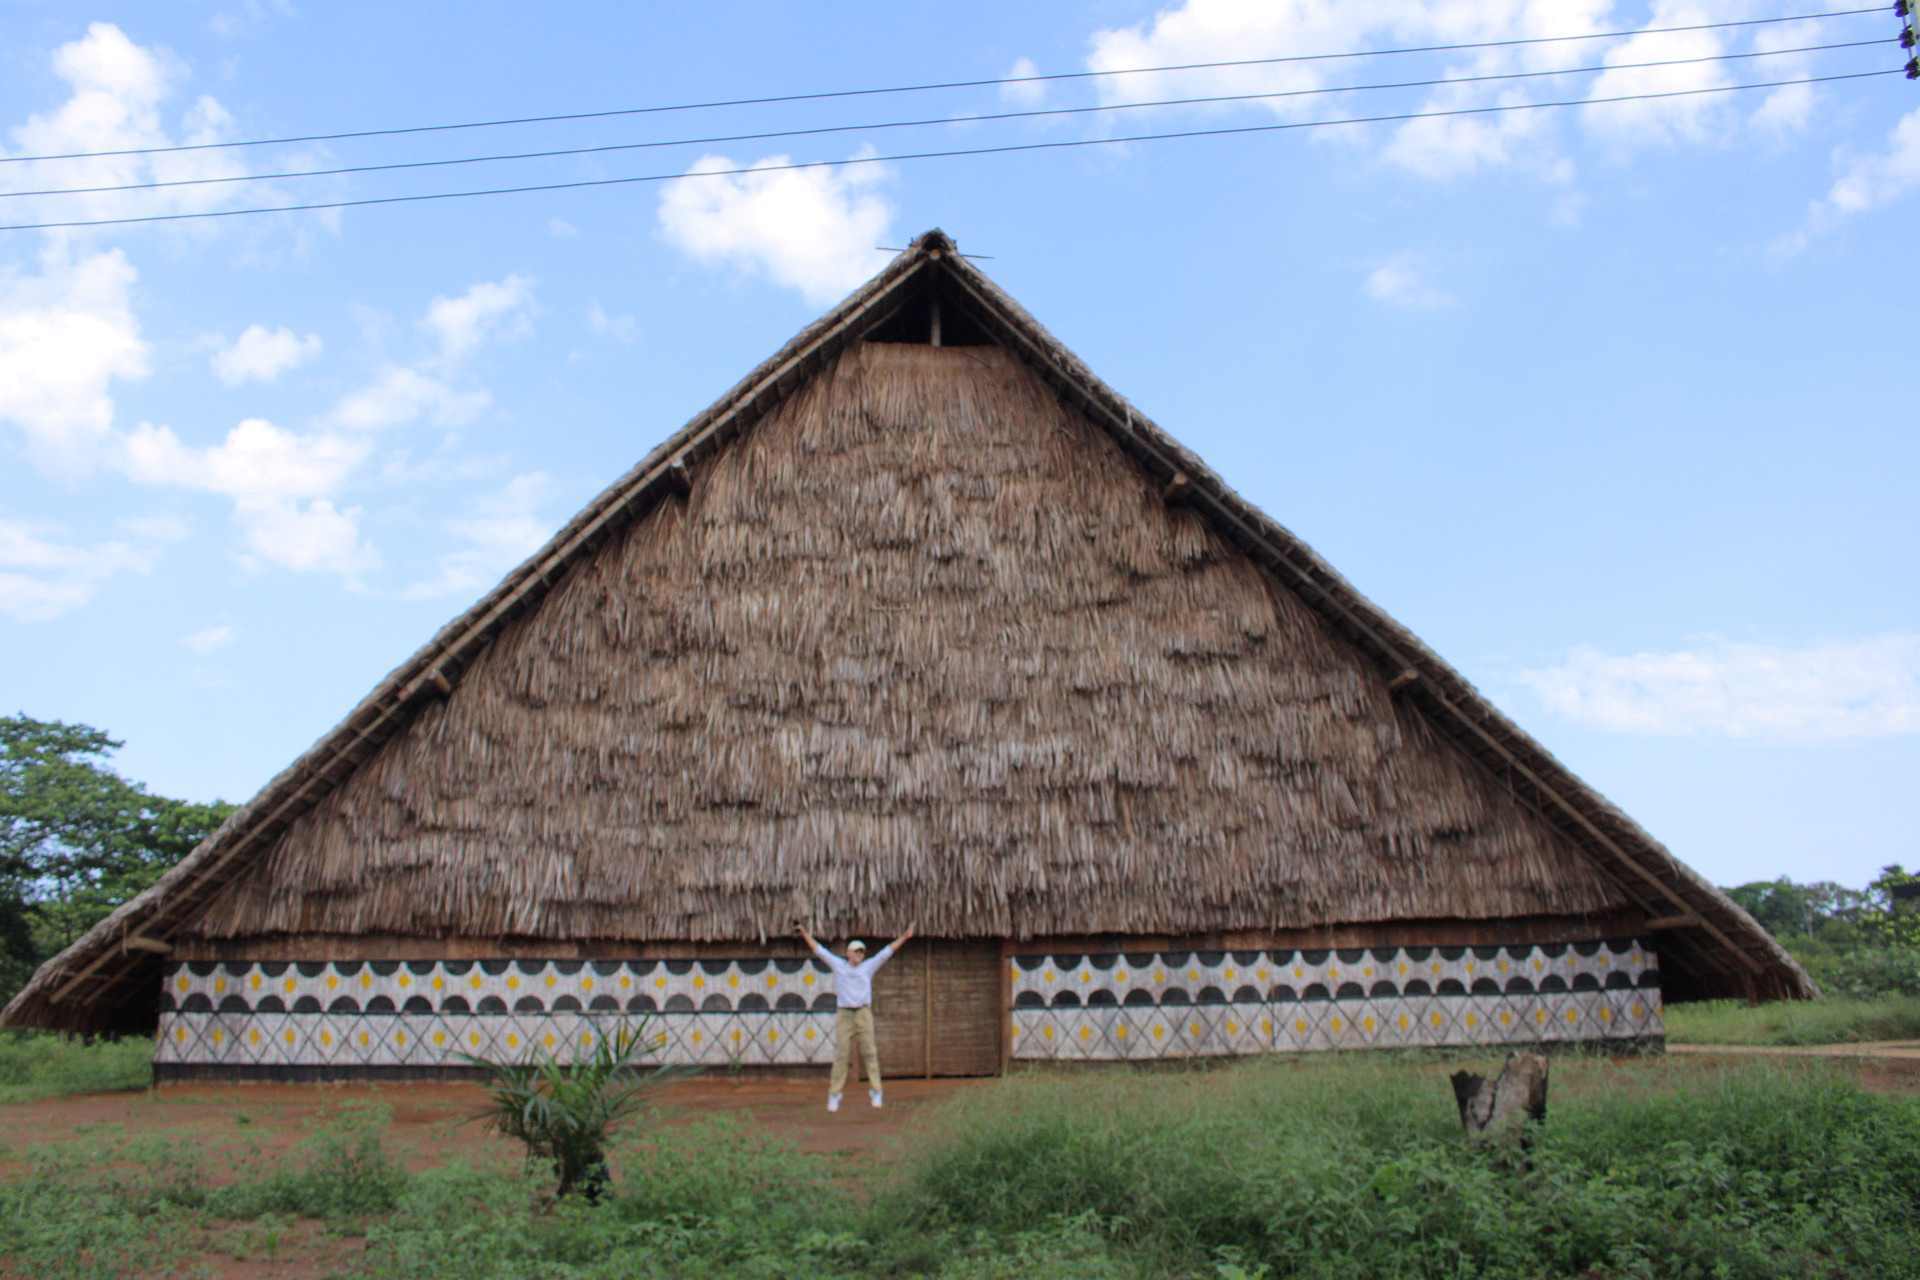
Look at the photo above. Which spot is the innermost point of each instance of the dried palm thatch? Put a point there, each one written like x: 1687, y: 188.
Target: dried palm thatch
x: 924, y: 645
x: 911, y: 632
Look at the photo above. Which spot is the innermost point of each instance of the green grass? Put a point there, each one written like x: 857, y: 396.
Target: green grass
x: 1332, y: 1169
x: 109, y: 1205
x: 1795, y: 1022
x: 36, y: 1065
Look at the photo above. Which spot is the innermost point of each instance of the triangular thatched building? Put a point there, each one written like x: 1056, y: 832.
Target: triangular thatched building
x: 920, y: 621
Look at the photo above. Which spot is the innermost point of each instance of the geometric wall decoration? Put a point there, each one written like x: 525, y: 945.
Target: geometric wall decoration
x: 425, y: 1013
x: 348, y: 1014
x: 1179, y: 1004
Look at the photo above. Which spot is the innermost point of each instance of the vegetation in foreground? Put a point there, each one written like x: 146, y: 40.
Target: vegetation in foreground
x: 1338, y: 1169
x: 1833, y: 1020
x: 35, y: 1065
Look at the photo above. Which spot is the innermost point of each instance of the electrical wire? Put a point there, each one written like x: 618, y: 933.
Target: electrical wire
x: 1004, y: 149
x: 936, y: 120
x: 938, y: 85
x: 947, y: 154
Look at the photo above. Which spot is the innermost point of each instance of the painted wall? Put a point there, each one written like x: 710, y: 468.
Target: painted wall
x: 425, y: 1013
x: 343, y: 1015
x: 1115, y: 1005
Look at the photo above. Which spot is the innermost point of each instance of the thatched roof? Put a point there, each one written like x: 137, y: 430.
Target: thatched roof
x: 902, y: 632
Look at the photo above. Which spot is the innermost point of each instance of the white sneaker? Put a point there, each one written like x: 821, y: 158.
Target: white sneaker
x: 833, y: 1102
x: 873, y: 1096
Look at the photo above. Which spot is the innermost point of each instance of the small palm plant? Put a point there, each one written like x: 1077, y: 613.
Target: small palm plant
x: 565, y: 1112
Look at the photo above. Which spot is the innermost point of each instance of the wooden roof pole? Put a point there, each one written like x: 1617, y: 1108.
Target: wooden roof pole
x: 1675, y: 922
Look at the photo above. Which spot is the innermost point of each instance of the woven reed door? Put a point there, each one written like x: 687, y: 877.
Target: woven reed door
x: 900, y: 1012
x: 949, y: 1010
x: 967, y: 990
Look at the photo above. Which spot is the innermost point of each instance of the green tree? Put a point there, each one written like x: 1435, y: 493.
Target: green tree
x: 1792, y: 911
x: 76, y: 839
x: 1884, y: 922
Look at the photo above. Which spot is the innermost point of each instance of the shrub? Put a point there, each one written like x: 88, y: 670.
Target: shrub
x: 36, y: 1064
x: 342, y: 1171
x: 565, y: 1112
x: 1867, y: 972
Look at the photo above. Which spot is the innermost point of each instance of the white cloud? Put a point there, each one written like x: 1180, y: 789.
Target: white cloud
x: 248, y: 16
x: 209, y: 639
x: 1786, y: 109
x: 401, y: 396
x: 1213, y: 30
x: 1401, y: 283
x: 66, y: 334
x: 1196, y: 31
x: 620, y: 328
x: 812, y: 230
x: 313, y: 536
x: 499, y: 532
x: 1851, y: 689
x: 1865, y: 183
x: 491, y: 308
x: 404, y: 394
x: 29, y: 599
x: 261, y: 354
x: 118, y: 90
x: 1869, y: 182
x: 280, y: 483
x: 41, y: 579
x: 561, y: 229
x: 1028, y: 95
x: 1663, y: 121
x: 257, y: 460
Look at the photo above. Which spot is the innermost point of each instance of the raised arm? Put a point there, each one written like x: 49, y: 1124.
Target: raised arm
x: 904, y: 938
x: 814, y: 946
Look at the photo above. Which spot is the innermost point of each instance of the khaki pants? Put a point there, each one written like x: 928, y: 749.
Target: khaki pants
x: 850, y: 1025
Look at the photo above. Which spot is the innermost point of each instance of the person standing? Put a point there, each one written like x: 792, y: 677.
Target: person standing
x: 853, y: 995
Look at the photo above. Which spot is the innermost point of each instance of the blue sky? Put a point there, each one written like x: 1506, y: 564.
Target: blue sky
x: 1612, y: 405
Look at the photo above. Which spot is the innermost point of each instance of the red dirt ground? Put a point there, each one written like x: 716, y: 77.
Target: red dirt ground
x: 430, y: 1119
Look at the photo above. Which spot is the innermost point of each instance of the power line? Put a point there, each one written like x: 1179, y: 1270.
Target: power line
x: 941, y: 155
x: 938, y: 85
x: 935, y: 120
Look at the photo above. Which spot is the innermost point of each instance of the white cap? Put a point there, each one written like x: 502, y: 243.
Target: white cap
x: 856, y: 945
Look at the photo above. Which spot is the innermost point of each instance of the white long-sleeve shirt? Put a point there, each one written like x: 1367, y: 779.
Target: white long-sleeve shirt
x: 853, y: 983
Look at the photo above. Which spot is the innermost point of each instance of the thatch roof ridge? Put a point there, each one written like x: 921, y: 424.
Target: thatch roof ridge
x: 88, y: 987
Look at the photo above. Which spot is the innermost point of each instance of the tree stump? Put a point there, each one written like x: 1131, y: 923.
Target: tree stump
x: 1498, y: 1110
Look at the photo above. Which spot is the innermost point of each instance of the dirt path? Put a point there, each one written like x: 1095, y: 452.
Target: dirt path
x: 1883, y: 1066
x: 1896, y: 1050
x: 429, y: 1120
